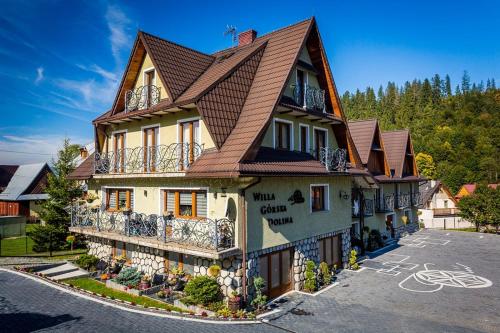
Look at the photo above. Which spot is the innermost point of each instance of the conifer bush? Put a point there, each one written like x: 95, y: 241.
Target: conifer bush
x: 310, y: 284
x: 129, y: 276
x: 202, y: 290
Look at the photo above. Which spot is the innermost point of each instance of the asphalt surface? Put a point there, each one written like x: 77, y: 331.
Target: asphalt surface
x: 458, y: 290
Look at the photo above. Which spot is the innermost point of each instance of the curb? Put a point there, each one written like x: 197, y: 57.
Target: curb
x: 156, y: 312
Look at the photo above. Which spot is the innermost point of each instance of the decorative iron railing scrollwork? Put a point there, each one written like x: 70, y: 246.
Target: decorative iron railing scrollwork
x: 415, y: 199
x: 368, y: 208
x: 385, y: 204
x: 200, y: 232
x: 404, y: 200
x: 309, y: 96
x: 142, y: 97
x: 175, y: 157
x: 334, y: 159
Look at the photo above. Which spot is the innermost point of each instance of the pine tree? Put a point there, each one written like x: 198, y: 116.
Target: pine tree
x: 447, y: 85
x: 61, y: 190
x: 465, y: 82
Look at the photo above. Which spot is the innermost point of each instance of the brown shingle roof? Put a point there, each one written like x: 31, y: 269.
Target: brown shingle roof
x: 395, y: 146
x: 363, y: 132
x: 84, y: 170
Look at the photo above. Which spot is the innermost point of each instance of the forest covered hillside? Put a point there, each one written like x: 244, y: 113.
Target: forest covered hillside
x: 459, y: 128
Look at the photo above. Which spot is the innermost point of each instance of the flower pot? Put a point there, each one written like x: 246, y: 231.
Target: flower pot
x: 234, y: 304
x: 144, y: 285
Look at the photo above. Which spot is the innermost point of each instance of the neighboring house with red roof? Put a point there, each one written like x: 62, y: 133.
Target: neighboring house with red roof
x: 468, y: 189
x: 242, y: 157
x: 392, y: 192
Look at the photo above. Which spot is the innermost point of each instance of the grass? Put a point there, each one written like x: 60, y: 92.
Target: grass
x: 100, y: 288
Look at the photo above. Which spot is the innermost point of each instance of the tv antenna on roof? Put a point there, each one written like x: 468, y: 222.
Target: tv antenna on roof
x: 231, y: 30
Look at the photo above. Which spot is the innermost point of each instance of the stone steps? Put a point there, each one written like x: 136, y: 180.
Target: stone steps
x: 64, y: 271
x: 71, y: 275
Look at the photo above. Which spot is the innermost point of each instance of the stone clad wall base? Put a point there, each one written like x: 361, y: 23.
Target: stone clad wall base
x: 230, y: 277
x: 406, y: 229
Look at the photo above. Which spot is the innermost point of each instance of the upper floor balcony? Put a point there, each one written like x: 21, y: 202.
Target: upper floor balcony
x: 175, y: 157
x: 404, y: 200
x: 163, y: 232
x: 142, y: 97
x: 367, y: 208
x: 309, y: 97
x: 334, y: 159
x: 384, y: 204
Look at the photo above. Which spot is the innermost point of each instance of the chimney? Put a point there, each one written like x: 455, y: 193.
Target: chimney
x: 83, y: 152
x: 246, y: 37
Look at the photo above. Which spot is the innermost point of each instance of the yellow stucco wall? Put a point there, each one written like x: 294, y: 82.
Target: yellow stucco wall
x: 147, y: 65
x: 305, y: 223
x: 312, y: 80
x: 268, y: 140
x: 168, y: 130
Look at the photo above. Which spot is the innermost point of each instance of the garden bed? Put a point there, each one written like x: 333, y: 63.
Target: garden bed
x: 116, y: 286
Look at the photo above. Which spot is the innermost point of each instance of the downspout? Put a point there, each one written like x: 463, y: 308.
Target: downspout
x: 243, y: 206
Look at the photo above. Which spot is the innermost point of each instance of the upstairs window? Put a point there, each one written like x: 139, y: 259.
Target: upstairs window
x: 189, y: 138
x: 185, y: 203
x: 149, y: 81
x: 283, y: 135
x: 150, y: 141
x: 304, y: 138
x: 119, y: 199
x: 319, y: 198
x: 119, y: 151
x: 319, y: 141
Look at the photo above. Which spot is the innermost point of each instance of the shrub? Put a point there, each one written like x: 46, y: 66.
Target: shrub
x: 128, y: 276
x: 375, y: 240
x: 352, y: 260
x: 87, y: 261
x: 260, y: 299
x: 203, y: 290
x: 325, y: 273
x: 47, y: 237
x: 310, y: 284
x: 224, y: 312
x: 214, y: 271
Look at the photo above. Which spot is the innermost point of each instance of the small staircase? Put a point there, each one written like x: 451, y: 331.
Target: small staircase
x: 64, y: 271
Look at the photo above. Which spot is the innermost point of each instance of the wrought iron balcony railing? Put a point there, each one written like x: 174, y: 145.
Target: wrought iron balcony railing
x: 310, y: 97
x: 334, y: 159
x: 385, y: 204
x: 368, y: 208
x: 404, y: 200
x: 415, y: 199
x: 215, y: 234
x: 142, y: 97
x: 176, y: 157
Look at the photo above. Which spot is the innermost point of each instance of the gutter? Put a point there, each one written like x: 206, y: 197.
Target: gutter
x: 243, y: 208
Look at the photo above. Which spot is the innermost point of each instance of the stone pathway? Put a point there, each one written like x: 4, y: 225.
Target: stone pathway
x: 14, y: 261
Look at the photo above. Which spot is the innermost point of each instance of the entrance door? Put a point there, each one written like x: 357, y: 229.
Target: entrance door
x: 390, y: 224
x: 330, y: 251
x: 276, y: 270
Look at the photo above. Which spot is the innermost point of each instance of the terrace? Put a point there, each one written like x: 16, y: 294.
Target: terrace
x: 210, y: 237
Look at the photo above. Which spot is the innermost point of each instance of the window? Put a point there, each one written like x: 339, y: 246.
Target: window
x: 319, y: 141
x: 189, y: 137
x: 304, y: 138
x: 301, y: 84
x: 150, y: 141
x: 119, y: 151
x: 149, y: 80
x: 121, y: 249
x: 319, y: 198
x: 185, y: 203
x: 283, y: 135
x: 445, y: 203
x: 119, y: 199
x: 184, y: 262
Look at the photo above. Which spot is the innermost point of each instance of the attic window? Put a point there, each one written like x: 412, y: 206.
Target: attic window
x: 224, y: 57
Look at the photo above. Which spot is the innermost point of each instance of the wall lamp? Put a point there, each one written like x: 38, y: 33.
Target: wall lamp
x: 343, y: 195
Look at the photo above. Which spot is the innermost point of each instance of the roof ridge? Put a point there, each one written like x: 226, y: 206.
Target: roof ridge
x: 394, y: 131
x: 176, y: 44
x: 362, y: 120
x: 264, y: 35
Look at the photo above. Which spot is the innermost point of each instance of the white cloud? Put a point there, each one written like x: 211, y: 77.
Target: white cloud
x: 118, y: 24
x: 39, y: 75
x: 95, y: 95
x: 99, y: 70
x: 33, y: 148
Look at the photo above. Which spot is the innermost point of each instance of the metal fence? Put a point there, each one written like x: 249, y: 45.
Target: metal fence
x: 203, y: 232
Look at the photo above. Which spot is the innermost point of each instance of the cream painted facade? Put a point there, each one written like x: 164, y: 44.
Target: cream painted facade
x: 262, y: 234
x: 147, y: 65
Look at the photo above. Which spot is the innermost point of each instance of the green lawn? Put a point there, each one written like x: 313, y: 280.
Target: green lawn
x: 100, y: 288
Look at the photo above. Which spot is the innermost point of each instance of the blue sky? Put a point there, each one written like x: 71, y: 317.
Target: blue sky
x: 61, y: 61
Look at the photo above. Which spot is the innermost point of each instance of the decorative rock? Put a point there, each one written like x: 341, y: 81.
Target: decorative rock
x: 226, y: 263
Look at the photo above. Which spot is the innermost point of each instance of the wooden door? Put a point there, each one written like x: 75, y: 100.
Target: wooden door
x: 149, y: 81
x: 330, y: 250
x: 276, y: 269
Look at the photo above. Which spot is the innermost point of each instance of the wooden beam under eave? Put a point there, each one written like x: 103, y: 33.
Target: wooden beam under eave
x: 160, y: 112
x: 117, y: 121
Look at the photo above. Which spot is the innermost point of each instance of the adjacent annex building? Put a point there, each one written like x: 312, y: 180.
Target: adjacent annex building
x: 242, y: 158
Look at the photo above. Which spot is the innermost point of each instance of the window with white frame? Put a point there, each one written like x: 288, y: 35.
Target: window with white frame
x: 304, y: 138
x: 319, y: 197
x: 283, y: 134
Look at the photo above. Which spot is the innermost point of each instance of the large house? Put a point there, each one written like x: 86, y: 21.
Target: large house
x: 242, y: 158
x: 388, y: 200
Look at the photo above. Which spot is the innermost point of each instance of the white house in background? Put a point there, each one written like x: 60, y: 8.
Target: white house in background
x: 439, y: 207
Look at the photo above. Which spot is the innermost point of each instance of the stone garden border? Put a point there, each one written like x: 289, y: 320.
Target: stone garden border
x: 127, y: 306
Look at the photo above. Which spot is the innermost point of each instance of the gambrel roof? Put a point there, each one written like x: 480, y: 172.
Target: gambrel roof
x: 236, y: 91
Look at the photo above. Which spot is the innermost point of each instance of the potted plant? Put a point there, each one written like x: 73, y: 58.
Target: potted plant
x: 145, y: 282
x: 104, y: 276
x: 234, y: 301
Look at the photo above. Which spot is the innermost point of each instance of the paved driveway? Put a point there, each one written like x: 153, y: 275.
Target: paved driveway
x: 394, y: 292
x: 434, y: 281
